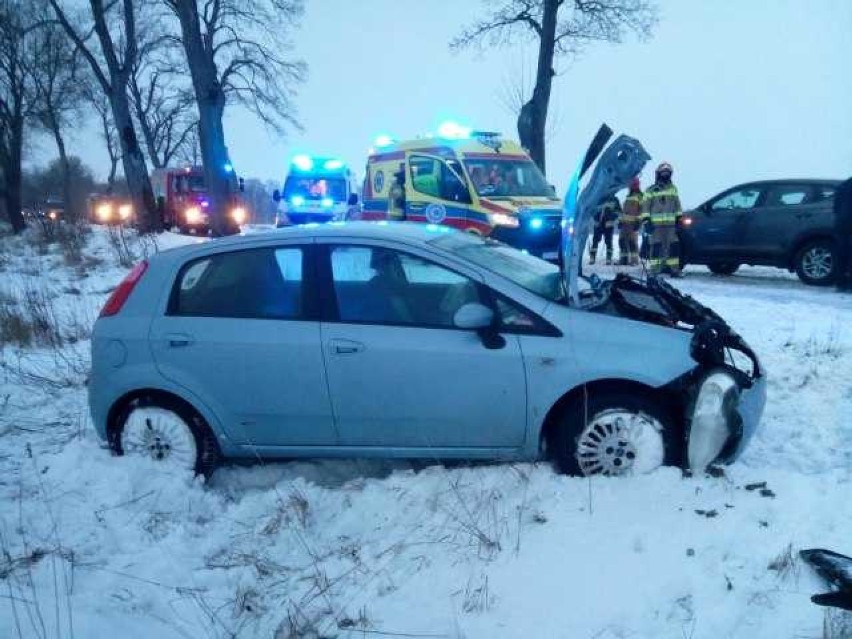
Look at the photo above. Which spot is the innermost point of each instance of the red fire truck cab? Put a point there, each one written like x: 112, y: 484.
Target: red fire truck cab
x: 182, y: 200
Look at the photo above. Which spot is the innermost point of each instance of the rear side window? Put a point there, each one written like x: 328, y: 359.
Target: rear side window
x: 256, y: 283
x: 823, y: 192
x: 787, y: 195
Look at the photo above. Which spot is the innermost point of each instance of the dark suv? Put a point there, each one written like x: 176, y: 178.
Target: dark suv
x: 783, y: 223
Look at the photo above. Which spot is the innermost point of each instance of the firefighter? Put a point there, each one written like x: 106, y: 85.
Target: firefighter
x: 631, y: 220
x: 604, y: 220
x: 660, y: 211
x: 843, y: 230
x: 396, y: 196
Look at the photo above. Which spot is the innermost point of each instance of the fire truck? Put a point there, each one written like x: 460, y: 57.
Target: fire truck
x: 182, y: 199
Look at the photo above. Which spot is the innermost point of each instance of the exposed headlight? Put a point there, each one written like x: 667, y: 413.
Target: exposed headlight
x: 710, y: 426
x: 104, y: 211
x: 502, y: 219
x: 238, y: 214
x: 125, y: 211
x: 193, y: 215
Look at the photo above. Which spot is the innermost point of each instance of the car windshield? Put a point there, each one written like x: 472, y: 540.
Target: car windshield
x: 190, y: 184
x: 497, y: 177
x: 533, y: 274
x: 315, y: 188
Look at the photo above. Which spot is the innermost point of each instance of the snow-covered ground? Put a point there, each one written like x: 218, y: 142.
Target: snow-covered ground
x: 96, y: 546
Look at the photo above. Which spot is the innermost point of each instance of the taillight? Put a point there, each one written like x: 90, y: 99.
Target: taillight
x: 122, y: 292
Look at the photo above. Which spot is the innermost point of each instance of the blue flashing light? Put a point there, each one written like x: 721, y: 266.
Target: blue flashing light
x: 229, y: 168
x: 333, y: 165
x: 297, y: 200
x: 327, y: 202
x: 453, y: 131
x: 383, y: 140
x: 536, y: 223
x: 303, y: 162
x: 525, y: 251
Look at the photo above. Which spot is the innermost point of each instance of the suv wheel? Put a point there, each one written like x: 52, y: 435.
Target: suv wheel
x: 723, y: 268
x: 170, y: 434
x: 816, y: 263
x: 614, y: 433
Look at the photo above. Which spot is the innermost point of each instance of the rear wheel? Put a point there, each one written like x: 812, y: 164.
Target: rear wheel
x: 614, y: 433
x: 816, y: 263
x: 168, y: 433
x: 723, y: 268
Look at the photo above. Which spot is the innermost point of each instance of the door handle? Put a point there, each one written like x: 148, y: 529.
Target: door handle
x: 346, y: 347
x: 178, y: 340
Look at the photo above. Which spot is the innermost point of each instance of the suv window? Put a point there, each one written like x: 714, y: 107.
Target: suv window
x: 823, y: 192
x: 787, y: 195
x: 256, y: 283
x: 736, y: 200
x: 381, y: 286
x: 434, y: 177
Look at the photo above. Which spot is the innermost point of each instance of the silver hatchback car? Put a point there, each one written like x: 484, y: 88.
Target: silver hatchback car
x: 417, y: 341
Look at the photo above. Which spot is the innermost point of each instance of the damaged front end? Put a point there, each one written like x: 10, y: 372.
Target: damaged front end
x: 722, y: 398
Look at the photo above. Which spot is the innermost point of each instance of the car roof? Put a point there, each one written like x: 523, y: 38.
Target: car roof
x: 832, y: 182
x: 405, y: 232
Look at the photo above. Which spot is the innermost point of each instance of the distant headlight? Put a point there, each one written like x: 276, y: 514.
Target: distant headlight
x: 52, y: 215
x: 104, y: 211
x: 193, y: 215
x: 711, y: 423
x: 125, y: 211
x: 502, y: 219
x: 327, y: 202
x: 238, y: 214
x: 536, y: 223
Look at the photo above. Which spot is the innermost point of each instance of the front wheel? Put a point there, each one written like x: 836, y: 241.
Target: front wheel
x: 614, y: 433
x: 723, y: 268
x: 173, y: 436
x: 816, y: 263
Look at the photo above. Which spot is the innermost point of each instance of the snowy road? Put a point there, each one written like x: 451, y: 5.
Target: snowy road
x: 94, y: 545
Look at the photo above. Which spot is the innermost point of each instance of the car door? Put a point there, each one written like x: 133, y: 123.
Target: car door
x: 772, y: 228
x: 240, y: 333
x: 717, y: 233
x: 401, y: 374
x: 439, y: 193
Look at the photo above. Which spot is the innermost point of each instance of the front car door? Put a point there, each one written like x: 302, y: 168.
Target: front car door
x: 401, y: 374
x: 438, y: 193
x: 240, y: 332
x: 717, y: 231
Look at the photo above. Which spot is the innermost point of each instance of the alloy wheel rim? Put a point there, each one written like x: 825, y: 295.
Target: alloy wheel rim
x: 817, y: 263
x: 160, y: 435
x: 619, y: 442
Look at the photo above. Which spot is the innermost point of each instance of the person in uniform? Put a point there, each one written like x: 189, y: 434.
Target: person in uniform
x: 631, y: 220
x: 660, y: 212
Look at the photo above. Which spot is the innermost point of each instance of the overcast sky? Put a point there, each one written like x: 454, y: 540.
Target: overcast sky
x: 726, y: 90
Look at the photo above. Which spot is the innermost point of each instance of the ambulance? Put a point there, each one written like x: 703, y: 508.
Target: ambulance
x: 472, y: 180
x: 317, y: 189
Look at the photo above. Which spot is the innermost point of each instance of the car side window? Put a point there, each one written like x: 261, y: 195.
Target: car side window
x: 382, y: 286
x: 431, y: 176
x: 737, y: 200
x: 256, y: 283
x: 787, y: 195
x: 823, y: 192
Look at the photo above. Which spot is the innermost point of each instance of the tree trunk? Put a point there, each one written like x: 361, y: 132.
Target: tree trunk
x: 135, y: 170
x: 12, y: 176
x: 532, y: 120
x: 70, y: 212
x: 211, y: 106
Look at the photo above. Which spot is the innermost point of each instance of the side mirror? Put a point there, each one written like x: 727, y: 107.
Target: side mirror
x: 473, y: 316
x: 353, y: 199
x: 552, y: 190
x: 276, y: 195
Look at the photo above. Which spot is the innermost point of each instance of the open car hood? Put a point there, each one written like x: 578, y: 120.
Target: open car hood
x: 620, y: 162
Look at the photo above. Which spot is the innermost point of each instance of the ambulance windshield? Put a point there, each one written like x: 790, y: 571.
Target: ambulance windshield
x: 314, y: 188
x: 504, y: 177
x: 190, y: 183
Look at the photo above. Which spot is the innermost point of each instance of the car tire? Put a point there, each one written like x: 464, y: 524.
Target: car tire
x: 816, y: 263
x: 723, y: 268
x: 590, y: 440
x: 167, y: 431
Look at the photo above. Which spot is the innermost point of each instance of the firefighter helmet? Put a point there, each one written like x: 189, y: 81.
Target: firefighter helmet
x: 664, y: 167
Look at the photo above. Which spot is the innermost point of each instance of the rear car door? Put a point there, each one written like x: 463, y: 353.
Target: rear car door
x: 772, y: 228
x: 240, y: 333
x: 717, y: 229
x: 401, y: 374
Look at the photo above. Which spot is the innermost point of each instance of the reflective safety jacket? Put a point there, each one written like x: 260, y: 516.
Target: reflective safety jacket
x: 632, y: 212
x: 661, y: 205
x: 608, y: 213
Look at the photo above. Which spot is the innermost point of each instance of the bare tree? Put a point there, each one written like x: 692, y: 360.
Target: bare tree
x: 189, y: 153
x: 96, y: 98
x: 57, y: 71
x: 235, y: 52
x: 18, y: 97
x: 561, y: 28
x: 115, y: 27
